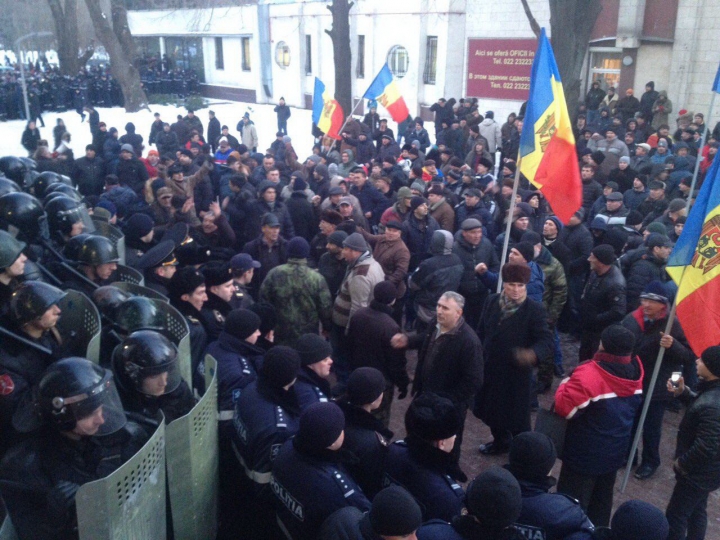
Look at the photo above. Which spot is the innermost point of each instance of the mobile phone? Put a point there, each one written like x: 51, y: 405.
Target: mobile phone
x: 675, y: 378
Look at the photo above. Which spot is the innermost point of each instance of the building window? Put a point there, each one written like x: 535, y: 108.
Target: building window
x: 308, y: 55
x: 430, y: 60
x: 605, y: 68
x: 282, y: 54
x: 186, y: 53
x: 245, y: 44
x: 360, y: 68
x: 398, y: 61
x: 219, y: 60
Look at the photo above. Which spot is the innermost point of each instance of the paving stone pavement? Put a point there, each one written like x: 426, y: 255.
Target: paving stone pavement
x: 655, y: 490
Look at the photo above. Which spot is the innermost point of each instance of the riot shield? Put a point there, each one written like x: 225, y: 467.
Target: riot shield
x: 179, y: 333
x: 139, y: 290
x: 129, y: 503
x: 129, y: 275
x: 7, y: 531
x: 79, y: 326
x: 116, y: 236
x: 193, y: 465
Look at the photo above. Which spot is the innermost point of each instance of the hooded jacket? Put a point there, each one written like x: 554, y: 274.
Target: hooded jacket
x: 344, y: 169
x: 132, y: 138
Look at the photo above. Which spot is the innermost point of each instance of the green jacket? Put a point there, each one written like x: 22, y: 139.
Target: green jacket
x: 556, y: 289
x: 301, y: 299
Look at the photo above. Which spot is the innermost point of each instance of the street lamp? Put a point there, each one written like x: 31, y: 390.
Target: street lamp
x: 22, y: 65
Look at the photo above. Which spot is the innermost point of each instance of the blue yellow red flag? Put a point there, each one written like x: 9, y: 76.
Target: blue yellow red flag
x: 385, y: 91
x: 548, y: 158
x: 327, y: 113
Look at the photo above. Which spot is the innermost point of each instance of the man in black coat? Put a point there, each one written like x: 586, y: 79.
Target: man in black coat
x: 89, y: 172
x: 603, y: 300
x: 213, y: 132
x: 450, y: 357
x: 515, y: 336
x: 697, y: 463
x: 130, y: 170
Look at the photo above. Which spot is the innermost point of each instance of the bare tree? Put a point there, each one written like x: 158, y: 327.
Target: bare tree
x: 342, y: 56
x: 65, y: 17
x: 118, y: 43
x: 572, y: 23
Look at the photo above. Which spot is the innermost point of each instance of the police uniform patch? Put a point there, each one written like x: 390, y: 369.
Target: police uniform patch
x: 7, y: 385
x: 382, y: 439
x: 192, y: 319
x: 218, y: 316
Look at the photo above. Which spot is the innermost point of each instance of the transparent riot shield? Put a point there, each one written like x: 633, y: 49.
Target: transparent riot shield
x: 129, y: 275
x: 7, y: 531
x: 193, y: 465
x: 79, y: 326
x: 139, y: 290
x: 129, y: 503
x: 116, y: 236
x: 179, y: 333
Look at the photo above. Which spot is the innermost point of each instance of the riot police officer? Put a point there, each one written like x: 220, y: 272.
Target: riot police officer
x: 158, y: 266
x: 148, y: 376
x: 309, y: 478
x: 97, y: 259
x: 12, y: 267
x: 108, y: 299
x: 136, y: 313
x: 83, y: 436
x: 66, y: 219
x: 23, y: 216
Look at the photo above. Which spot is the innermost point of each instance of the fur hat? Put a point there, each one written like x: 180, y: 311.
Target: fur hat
x: 432, y: 418
x: 516, y: 273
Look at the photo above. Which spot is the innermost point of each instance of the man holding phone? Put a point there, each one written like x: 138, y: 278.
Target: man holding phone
x: 648, y: 324
x: 697, y: 463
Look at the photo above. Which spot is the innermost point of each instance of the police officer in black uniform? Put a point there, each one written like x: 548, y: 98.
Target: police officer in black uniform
x: 266, y: 415
x: 423, y: 463
x: 148, y: 376
x: 136, y: 313
x: 108, y: 299
x: 97, y: 260
x: 65, y: 219
x: 23, y: 216
x: 84, y: 436
x: 309, y: 478
x: 12, y: 268
x: 313, y: 385
x: 243, y: 268
x: 365, y: 436
x: 158, y: 266
x: 220, y: 290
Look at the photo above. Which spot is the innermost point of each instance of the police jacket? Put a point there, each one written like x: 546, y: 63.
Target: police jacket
x: 265, y: 417
x: 426, y: 472
x: 212, y: 315
x: 40, y: 477
x: 368, y: 439
x: 311, y: 388
x: 237, y: 365
x: 309, y: 486
x: 697, y: 453
x: 551, y: 516
x: 198, y: 340
x: 464, y: 527
x: 174, y: 404
x: 603, y: 300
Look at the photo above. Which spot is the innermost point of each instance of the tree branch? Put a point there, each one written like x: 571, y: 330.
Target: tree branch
x: 531, y: 18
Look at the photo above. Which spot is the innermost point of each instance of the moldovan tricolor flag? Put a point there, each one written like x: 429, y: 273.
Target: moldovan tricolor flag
x: 547, y: 145
x: 385, y: 91
x: 327, y: 112
x: 694, y: 264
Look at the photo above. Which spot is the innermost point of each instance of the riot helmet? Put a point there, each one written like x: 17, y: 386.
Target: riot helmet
x: 30, y: 164
x: 78, y: 395
x: 13, y: 168
x: 64, y: 214
x: 8, y: 186
x: 139, y: 313
x: 43, y: 181
x: 97, y: 250
x: 32, y: 299
x: 23, y: 216
x: 71, y: 250
x: 56, y: 190
x: 108, y: 299
x: 10, y: 249
x: 147, y: 362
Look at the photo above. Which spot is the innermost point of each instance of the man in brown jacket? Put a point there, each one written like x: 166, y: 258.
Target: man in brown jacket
x: 440, y: 209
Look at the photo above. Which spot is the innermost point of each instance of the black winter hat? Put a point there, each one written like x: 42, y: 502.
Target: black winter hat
x: 365, y: 385
x: 415, y: 202
x: 280, y: 366
x: 634, y: 218
x: 320, y: 426
x: 217, y: 273
x: 299, y: 184
x: 385, y: 292
x: 532, y: 456
x: 242, y: 323
x: 268, y: 316
x: 711, y: 359
x: 526, y: 249
x: 638, y: 520
x: 312, y: 349
x: 617, y: 340
x: 137, y: 226
x: 337, y: 238
x: 394, y: 512
x: 604, y: 253
x: 185, y: 281
x: 298, y: 248
x: 494, y: 498
x: 192, y: 254
x: 331, y: 216
x: 598, y: 157
x: 532, y: 237
x: 432, y: 418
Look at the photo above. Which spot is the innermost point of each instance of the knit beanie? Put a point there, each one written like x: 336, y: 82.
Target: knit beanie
x: 337, y: 238
x: 280, y: 366
x: 634, y: 218
x: 299, y: 184
x: 656, y: 227
x: 138, y: 225
x: 385, y: 292
x: 320, y: 426
x: 711, y: 359
x: 242, y: 323
x: 516, y: 273
x: 356, y: 242
x: 526, y: 249
x: 395, y: 512
x: 617, y: 340
x: 604, y: 253
x: 532, y: 237
x: 415, y: 202
x: 298, y: 248
x: 532, y: 456
x: 365, y: 385
x: 638, y: 520
x: 494, y: 498
x: 432, y: 418
x: 312, y: 348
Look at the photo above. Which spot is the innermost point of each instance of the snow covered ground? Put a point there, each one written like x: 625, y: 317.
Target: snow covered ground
x: 229, y: 113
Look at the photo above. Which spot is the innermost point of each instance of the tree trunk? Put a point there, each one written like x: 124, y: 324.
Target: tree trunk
x: 66, y: 33
x: 118, y: 44
x: 342, y: 56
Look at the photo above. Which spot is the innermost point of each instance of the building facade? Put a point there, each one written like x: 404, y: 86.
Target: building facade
x: 261, y: 50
